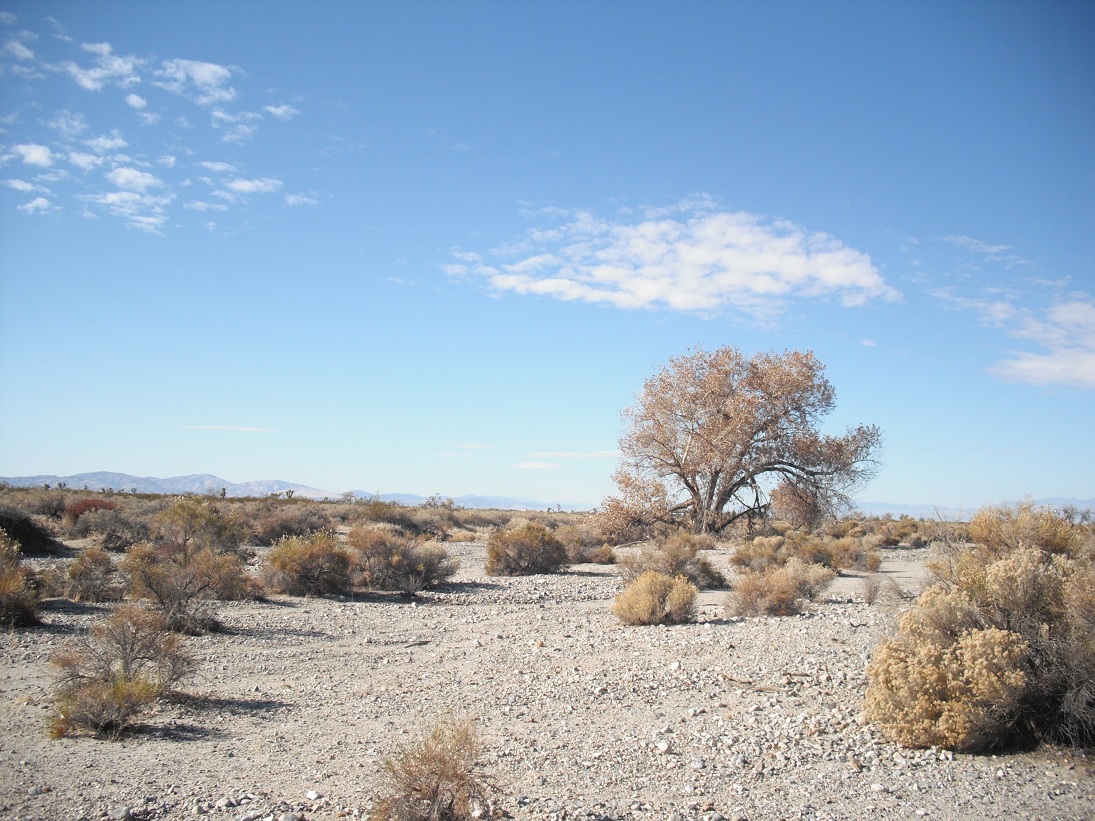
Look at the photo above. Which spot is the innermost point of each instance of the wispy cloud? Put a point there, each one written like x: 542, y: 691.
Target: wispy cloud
x: 230, y: 428
x: 35, y: 206
x: 300, y: 199
x: 265, y: 185
x: 537, y: 465
x: 108, y: 69
x: 690, y: 257
x: 593, y: 454
x: 204, y: 83
x: 1067, y: 333
x: 281, y: 112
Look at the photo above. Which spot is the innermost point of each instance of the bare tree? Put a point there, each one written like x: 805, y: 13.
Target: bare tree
x: 713, y: 433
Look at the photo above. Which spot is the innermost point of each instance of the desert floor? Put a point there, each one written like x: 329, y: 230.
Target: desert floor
x: 297, y: 701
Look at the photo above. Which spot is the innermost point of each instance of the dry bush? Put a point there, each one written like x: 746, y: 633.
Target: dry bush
x: 582, y: 540
x: 602, y: 555
x: 93, y: 577
x: 49, y: 503
x: 388, y: 560
x: 1023, y: 598
x: 677, y: 555
x: 655, y: 598
x: 437, y: 778
x: 778, y: 591
x: 760, y: 554
x: 524, y: 551
x: 107, y: 679
x: 77, y: 509
x: 18, y: 598
x: 117, y: 529
x: 872, y: 587
x: 313, y: 565
x: 269, y: 525
x: 182, y: 585
x: 192, y: 524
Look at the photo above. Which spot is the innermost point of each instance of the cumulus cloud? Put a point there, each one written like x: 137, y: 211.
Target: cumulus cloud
x: 34, y: 154
x: 265, y: 185
x: 1067, y: 335
x: 109, y: 68
x: 300, y: 199
x: 690, y: 257
x: 218, y: 167
x: 146, y: 212
x: 35, y: 206
x: 281, y: 112
x: 105, y: 143
x: 132, y: 179
x: 85, y: 161
x: 68, y: 124
x: 205, y: 83
x: 23, y: 185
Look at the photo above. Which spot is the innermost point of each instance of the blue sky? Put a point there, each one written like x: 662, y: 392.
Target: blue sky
x: 437, y: 247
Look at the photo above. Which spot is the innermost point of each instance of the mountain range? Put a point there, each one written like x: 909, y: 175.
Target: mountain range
x: 205, y: 483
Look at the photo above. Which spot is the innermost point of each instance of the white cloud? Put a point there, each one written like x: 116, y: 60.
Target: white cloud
x: 68, y: 124
x: 200, y: 205
x: 595, y: 454
x: 136, y: 101
x: 688, y: 258
x: 167, y: 160
x: 7, y: 18
x: 265, y: 185
x: 1068, y: 332
x: 34, y: 154
x: 18, y: 50
x: 537, y: 466
x: 106, y: 143
x: 145, y: 212
x: 23, y: 185
x: 236, y: 127
x: 282, y: 112
x: 85, y: 161
x: 218, y: 167
x: 204, y: 82
x: 133, y: 180
x: 35, y: 206
x: 300, y: 199
x: 109, y: 68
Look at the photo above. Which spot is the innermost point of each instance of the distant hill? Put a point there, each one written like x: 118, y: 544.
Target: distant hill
x: 206, y: 483
x: 955, y: 513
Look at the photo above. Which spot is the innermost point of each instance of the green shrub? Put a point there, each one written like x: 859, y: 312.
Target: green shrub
x: 437, y: 778
x: 1002, y: 647
x: 108, y: 679
x: 18, y: 598
x: 313, y: 565
x: 524, y: 551
x: 192, y: 524
x: 655, y: 598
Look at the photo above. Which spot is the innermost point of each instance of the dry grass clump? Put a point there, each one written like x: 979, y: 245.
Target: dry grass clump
x: 676, y: 555
x: 273, y: 523
x: 778, y: 591
x: 18, y: 598
x: 182, y: 584
x: 437, y: 778
x: 840, y: 552
x: 117, y: 529
x: 192, y: 524
x: 389, y: 560
x: 585, y: 544
x: 525, y: 550
x: 1002, y: 648
x: 107, y: 679
x: 655, y: 598
x: 312, y: 565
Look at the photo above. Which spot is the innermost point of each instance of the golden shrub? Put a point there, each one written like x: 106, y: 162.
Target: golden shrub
x: 655, y: 598
x: 778, y: 591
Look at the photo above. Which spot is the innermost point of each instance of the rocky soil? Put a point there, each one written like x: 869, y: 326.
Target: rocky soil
x: 580, y: 717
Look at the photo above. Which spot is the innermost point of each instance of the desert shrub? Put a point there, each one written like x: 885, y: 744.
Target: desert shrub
x: 439, y: 777
x: 388, y: 560
x: 93, y: 577
x: 676, y: 555
x: 109, y: 678
x: 117, y: 529
x: 182, y: 585
x: 604, y: 554
x: 524, y: 551
x: 872, y: 587
x: 192, y: 524
x: 77, y: 509
x: 581, y: 541
x: 50, y: 503
x: 18, y: 598
x: 313, y: 565
x: 655, y: 598
x: 759, y: 554
x: 778, y: 591
x: 1002, y: 648
x: 270, y: 525
x: 33, y: 538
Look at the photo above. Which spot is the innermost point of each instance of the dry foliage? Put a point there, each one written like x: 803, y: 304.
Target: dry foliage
x: 313, y: 565
x: 677, y: 555
x: 655, y: 598
x: 93, y: 577
x: 437, y: 778
x: 107, y: 679
x: 524, y: 551
x: 18, y: 599
x: 1002, y: 647
x: 388, y: 560
x: 712, y: 431
x: 778, y: 591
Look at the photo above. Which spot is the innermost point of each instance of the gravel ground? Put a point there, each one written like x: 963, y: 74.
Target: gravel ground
x: 580, y: 717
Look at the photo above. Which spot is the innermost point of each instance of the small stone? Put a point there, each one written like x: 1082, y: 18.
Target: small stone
x: 662, y: 746
x: 120, y: 814
x: 698, y: 763
x: 312, y: 795
x: 879, y: 788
